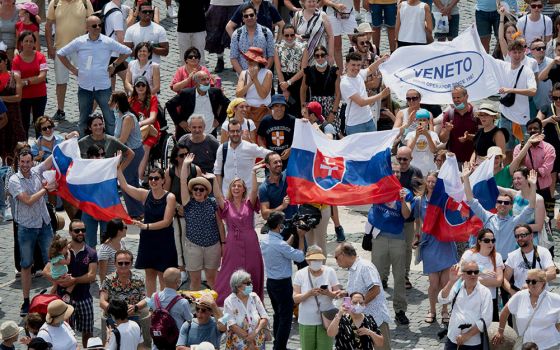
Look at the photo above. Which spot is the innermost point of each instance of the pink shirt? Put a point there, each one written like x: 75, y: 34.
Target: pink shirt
x: 182, y: 74
x: 541, y: 159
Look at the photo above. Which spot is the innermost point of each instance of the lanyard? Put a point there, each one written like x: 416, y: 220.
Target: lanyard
x: 536, y: 258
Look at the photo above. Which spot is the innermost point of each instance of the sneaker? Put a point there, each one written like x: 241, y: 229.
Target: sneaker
x: 401, y: 318
x: 59, y: 116
x: 24, y: 309
x: 171, y: 12
x: 37, y: 274
x: 219, y: 66
x: 18, y: 274
x: 8, y: 215
x: 340, y: 237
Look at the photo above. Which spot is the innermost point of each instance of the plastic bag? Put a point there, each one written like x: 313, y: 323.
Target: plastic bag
x: 442, y: 23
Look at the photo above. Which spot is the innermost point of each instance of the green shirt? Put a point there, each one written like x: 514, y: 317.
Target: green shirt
x: 503, y: 178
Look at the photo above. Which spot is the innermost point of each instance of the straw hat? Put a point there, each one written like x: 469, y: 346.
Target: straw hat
x: 58, y: 311
x: 95, y: 343
x: 60, y: 222
x: 494, y: 151
x: 364, y: 27
x: 199, y: 180
x: 9, y: 329
x: 255, y: 54
x: 488, y: 109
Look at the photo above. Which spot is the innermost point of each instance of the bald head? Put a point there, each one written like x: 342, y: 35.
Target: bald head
x: 171, y: 277
x: 93, y: 24
x: 404, y: 156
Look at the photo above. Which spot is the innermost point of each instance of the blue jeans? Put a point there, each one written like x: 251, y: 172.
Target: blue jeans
x: 368, y: 126
x: 3, y: 171
x: 486, y: 22
x: 85, y: 104
x: 28, y: 237
x: 91, y: 229
x: 133, y: 207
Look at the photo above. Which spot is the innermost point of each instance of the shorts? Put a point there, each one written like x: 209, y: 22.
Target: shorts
x: 28, y: 237
x: 508, y: 125
x: 121, y: 67
x: 61, y: 73
x: 368, y: 126
x: 486, y: 22
x: 343, y: 26
x: 383, y: 14
x: 453, y: 28
x: 82, y: 318
x: 200, y: 258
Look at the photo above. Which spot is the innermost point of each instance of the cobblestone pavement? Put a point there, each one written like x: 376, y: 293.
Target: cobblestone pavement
x: 417, y: 335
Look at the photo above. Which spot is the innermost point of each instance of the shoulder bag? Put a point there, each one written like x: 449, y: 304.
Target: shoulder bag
x: 519, y: 341
x: 509, y: 99
x: 326, y: 316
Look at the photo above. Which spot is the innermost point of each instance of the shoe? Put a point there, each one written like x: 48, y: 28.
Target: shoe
x: 171, y: 12
x: 38, y: 274
x: 445, y: 318
x: 59, y: 116
x: 430, y: 318
x: 24, y: 309
x: 340, y: 237
x: 400, y: 318
x: 384, y: 284
x: 18, y: 274
x: 219, y: 66
x: 407, y: 284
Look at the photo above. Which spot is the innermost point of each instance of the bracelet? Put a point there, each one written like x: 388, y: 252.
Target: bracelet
x: 289, y: 83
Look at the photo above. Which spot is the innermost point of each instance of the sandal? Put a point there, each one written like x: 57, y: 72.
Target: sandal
x: 445, y: 317
x: 430, y: 318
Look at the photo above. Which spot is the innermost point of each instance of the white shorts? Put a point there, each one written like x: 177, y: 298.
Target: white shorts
x: 61, y: 73
x: 343, y: 26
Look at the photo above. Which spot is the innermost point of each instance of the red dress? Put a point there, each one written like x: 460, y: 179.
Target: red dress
x: 138, y: 107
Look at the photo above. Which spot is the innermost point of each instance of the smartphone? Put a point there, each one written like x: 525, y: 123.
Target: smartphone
x: 346, y: 302
x: 324, y: 286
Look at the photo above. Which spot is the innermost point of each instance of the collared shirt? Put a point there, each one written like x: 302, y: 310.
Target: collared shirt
x: 501, y: 226
x: 239, y: 163
x: 278, y: 256
x: 79, y: 266
x: 132, y: 292
x: 461, y: 123
x: 93, y: 59
x: 541, y: 159
x: 36, y: 214
x: 362, y: 276
x: 180, y: 312
x: 542, y: 328
x: 203, y: 106
x: 240, y: 42
x: 273, y: 194
x: 468, y: 309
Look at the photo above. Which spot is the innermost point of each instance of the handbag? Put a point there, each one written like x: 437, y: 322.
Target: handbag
x: 148, y: 130
x: 326, y: 316
x: 367, y: 241
x: 266, y: 331
x: 484, y: 339
x: 519, y: 341
x: 509, y: 99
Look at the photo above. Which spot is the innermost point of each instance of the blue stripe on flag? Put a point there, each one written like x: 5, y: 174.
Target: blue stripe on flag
x: 104, y: 194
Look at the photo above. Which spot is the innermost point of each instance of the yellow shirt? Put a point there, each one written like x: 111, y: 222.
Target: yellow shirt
x: 70, y: 20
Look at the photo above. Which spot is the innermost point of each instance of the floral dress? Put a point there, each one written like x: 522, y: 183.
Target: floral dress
x: 290, y: 57
x: 245, y: 316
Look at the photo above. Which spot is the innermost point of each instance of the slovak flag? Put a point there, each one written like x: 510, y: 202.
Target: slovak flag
x: 353, y: 171
x: 448, y: 217
x: 88, y: 184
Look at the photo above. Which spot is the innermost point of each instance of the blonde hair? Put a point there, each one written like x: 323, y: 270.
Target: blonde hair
x: 539, y: 274
x: 229, y: 195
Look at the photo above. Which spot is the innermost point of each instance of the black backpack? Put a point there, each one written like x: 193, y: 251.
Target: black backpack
x: 103, y: 16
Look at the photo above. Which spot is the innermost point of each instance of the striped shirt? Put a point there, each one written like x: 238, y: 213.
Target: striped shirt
x: 35, y: 215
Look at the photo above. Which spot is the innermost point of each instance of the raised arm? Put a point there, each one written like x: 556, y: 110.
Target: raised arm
x: 139, y: 194
x: 254, y: 184
x: 466, y: 182
x: 185, y: 172
x: 218, y: 193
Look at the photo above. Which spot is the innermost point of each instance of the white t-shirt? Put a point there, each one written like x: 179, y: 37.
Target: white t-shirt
x: 484, y: 265
x: 114, y: 23
x: 154, y: 33
x: 519, y: 267
x: 308, y: 312
x: 529, y: 62
x: 131, y: 336
x: 518, y: 112
x: 533, y: 30
x: 62, y: 338
x: 350, y: 86
x: 422, y: 156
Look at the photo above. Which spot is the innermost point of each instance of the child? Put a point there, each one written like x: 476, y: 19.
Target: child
x: 10, y: 334
x: 59, y: 259
x: 28, y: 12
x: 423, y: 143
x: 33, y: 322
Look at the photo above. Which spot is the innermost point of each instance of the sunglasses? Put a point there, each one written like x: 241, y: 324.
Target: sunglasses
x: 472, y: 272
x: 123, y: 263
x: 199, y: 189
x: 45, y: 128
x: 201, y: 309
x: 362, y: 43
x: 535, y: 6
x: 79, y: 230
x: 192, y: 57
x: 148, y: 12
x: 488, y: 240
x: 533, y: 282
x: 503, y: 202
x: 154, y: 178
x: 320, y: 55
x: 250, y: 15
x: 96, y: 25
x: 522, y: 235
x: 540, y: 48
x: 140, y: 85
x: 289, y: 35
x: 182, y: 155
x: 401, y: 159
x: 556, y: 98
x: 413, y: 98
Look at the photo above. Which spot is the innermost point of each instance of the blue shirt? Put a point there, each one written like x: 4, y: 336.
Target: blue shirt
x: 486, y: 5
x: 240, y: 43
x: 93, y: 59
x: 278, y: 256
x: 35, y: 148
x: 274, y: 194
x: 181, y: 311
x: 198, y: 333
x: 388, y: 219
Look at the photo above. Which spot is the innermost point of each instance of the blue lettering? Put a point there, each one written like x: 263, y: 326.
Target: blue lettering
x: 438, y: 71
x: 428, y: 73
x: 449, y: 70
x: 458, y: 64
x: 469, y: 61
x: 417, y: 73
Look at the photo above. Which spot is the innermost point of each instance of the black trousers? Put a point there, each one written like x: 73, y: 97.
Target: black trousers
x: 280, y: 293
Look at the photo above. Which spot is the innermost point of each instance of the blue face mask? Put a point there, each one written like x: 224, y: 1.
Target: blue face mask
x: 248, y: 290
x: 322, y: 65
x: 460, y: 106
x: 204, y: 88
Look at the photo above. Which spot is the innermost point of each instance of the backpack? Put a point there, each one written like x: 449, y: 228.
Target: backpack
x: 41, y: 301
x: 527, y: 20
x: 163, y: 328
x: 224, y: 156
x: 103, y: 17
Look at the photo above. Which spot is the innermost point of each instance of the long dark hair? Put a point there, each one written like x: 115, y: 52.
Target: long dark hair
x: 147, y: 98
x: 113, y: 228
x: 479, y: 237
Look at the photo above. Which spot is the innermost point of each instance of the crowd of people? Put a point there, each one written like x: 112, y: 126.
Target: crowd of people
x: 197, y: 216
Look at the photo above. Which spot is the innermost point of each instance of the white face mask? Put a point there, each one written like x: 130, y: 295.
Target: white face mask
x: 48, y: 138
x: 357, y: 309
x: 315, y: 265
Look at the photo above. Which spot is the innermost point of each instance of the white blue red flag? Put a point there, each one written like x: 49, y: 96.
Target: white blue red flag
x: 448, y: 217
x: 353, y: 171
x: 88, y: 184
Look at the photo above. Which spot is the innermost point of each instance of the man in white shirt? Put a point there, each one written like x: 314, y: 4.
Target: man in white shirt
x: 353, y: 90
x: 239, y: 159
x: 148, y: 31
x: 535, y: 25
x: 115, y: 25
x: 130, y: 335
x: 528, y: 256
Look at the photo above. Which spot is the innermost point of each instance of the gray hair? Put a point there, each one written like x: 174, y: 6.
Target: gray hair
x: 196, y: 116
x: 466, y: 262
x: 237, y: 279
x: 314, y: 249
x: 347, y: 249
x: 198, y: 75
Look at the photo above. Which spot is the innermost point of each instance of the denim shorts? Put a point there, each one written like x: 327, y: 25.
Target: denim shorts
x: 28, y: 237
x: 453, y: 28
x: 383, y: 14
x: 368, y: 126
x: 486, y: 22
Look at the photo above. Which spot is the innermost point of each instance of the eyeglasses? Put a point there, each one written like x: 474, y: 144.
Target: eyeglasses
x: 96, y: 25
x: 413, y: 98
x: 147, y: 12
x: 402, y: 159
x: 358, y: 303
x: 536, y: 6
x: 362, y: 43
x: 199, y: 189
x: 45, y: 128
x: 236, y: 131
x: 249, y: 15
x: 248, y: 283
x: 540, y: 48
x: 503, y: 202
x: 79, y: 230
x: 488, y: 240
x: 522, y: 235
x: 182, y: 155
x: 123, y: 263
x: 556, y: 98
x: 533, y: 282
x: 289, y: 35
x: 154, y: 178
x: 320, y: 55
x: 193, y: 57
x: 472, y: 272
x: 142, y: 85
x: 201, y: 309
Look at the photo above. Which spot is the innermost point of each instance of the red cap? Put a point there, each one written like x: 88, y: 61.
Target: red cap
x: 315, y: 108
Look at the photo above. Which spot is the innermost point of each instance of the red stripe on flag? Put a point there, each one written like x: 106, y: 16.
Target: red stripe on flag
x: 436, y: 225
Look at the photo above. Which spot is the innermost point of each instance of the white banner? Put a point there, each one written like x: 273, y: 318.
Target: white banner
x: 434, y: 69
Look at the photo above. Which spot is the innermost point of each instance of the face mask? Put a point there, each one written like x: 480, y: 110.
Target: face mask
x: 357, y: 309
x: 321, y: 65
x: 460, y: 106
x: 315, y: 265
x: 204, y: 88
x: 248, y: 290
x: 48, y: 138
